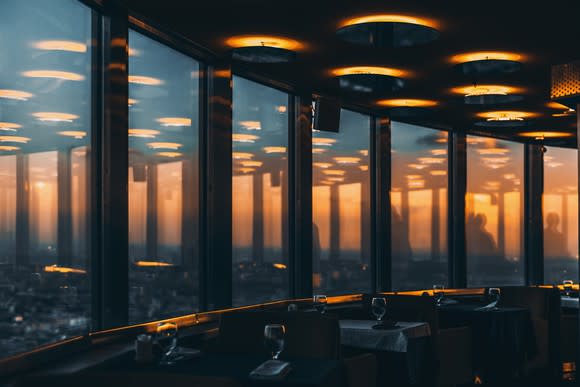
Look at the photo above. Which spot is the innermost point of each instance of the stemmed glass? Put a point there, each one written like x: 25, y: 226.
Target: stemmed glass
x: 567, y: 287
x: 166, y: 337
x: 494, y: 296
x: 438, y: 292
x: 320, y: 301
x: 379, y: 307
x: 274, y: 339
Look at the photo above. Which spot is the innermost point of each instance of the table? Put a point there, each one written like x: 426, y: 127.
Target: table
x: 570, y: 302
x: 502, y: 338
x: 305, y: 371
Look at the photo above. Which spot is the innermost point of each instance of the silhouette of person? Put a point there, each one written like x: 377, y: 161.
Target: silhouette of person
x: 480, y: 241
x: 554, y: 243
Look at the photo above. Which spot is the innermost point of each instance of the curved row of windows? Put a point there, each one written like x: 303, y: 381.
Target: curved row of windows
x: 47, y: 221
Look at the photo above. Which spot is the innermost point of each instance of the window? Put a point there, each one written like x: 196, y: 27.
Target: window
x: 45, y: 131
x: 494, y: 212
x: 259, y: 193
x: 418, y: 204
x: 341, y: 207
x: 560, y: 212
x: 163, y: 181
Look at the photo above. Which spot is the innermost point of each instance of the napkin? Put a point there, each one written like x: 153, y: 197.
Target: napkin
x: 490, y: 306
x: 271, y: 369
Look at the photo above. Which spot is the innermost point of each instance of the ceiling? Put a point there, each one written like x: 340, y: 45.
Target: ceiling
x: 547, y: 33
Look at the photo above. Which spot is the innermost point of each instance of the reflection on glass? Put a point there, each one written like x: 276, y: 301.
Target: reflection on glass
x: 44, y: 181
x: 341, y: 206
x: 418, y: 206
x: 494, y: 212
x: 560, y: 212
x: 260, y: 193
x: 163, y: 181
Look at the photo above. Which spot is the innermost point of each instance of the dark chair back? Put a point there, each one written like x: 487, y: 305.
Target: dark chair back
x: 413, y: 308
x: 307, y: 334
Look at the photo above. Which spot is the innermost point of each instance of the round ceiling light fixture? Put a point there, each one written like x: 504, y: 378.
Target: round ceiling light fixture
x: 383, y: 30
x: 485, y: 62
x: 407, y: 102
x: 488, y: 94
x: 369, y: 79
x: 505, y: 118
x: 264, y: 48
x: 543, y: 135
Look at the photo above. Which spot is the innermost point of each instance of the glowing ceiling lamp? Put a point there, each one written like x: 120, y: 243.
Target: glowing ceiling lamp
x: 244, y: 138
x: 174, y: 121
x: 479, y: 90
x: 274, y: 149
x: 242, y: 41
x: 143, y: 133
x: 15, y: 94
x: 9, y: 126
x: 143, y: 80
x: 390, y: 18
x: 76, y: 134
x: 543, y: 135
x: 164, y: 145
x: 369, y: 70
x: 61, y: 45
x: 170, y: 155
x: 152, y: 264
x: 55, y: 117
x: 506, y: 115
x: 487, y: 55
x: 64, y: 270
x: 53, y: 74
x: 242, y: 155
x: 402, y: 102
x: 16, y: 139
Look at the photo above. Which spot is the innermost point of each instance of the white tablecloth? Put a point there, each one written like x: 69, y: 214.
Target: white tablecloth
x: 359, y: 334
x: 570, y: 302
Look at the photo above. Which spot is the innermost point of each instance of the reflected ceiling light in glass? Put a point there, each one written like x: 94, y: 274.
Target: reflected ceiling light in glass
x: 281, y: 109
x: 152, y: 264
x: 143, y: 80
x: 493, y: 151
x: 164, y: 145
x: 8, y: 148
x: 438, y: 152
x: 274, y: 149
x: 438, y: 172
x: 263, y: 48
x: 61, y: 45
x: 251, y: 125
x: 482, y: 62
x: 244, y: 138
x: 16, y: 139
x: 318, y: 151
x: 407, y: 102
x: 322, y: 165
x: 62, y: 269
x: 245, y: 169
x: 133, y: 52
x: 506, y: 115
x: 417, y: 166
x: 416, y: 184
x: 76, y: 134
x: 174, y: 121
x: 335, y: 179
x: 430, y: 160
x: 488, y: 94
x: 9, y: 126
x: 509, y: 176
x: 53, y: 74
x: 538, y: 135
x: 143, y: 133
x: 170, y: 155
x: 383, y: 30
x: 413, y: 177
x: 55, y: 117
x: 334, y: 172
x: 15, y: 94
x: 251, y: 163
x: 321, y: 141
x: 132, y: 102
x: 242, y: 155
x: 364, y: 152
x: 346, y: 160
x: 363, y: 167
x: 326, y: 182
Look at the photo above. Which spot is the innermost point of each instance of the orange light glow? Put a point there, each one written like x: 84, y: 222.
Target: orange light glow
x: 242, y: 156
x: 506, y: 115
x: 322, y: 165
x: 8, y: 148
x: 164, y: 145
x: 438, y: 172
x: 556, y: 105
x: 252, y: 163
x: 334, y: 172
x: 279, y: 266
x: 16, y: 139
x: 274, y: 149
x: 133, y: 101
x: 245, y: 138
x: 363, y: 168
x: 318, y: 151
x: 251, y: 125
x: 417, y: 166
x: 9, y: 126
x: 336, y: 179
x: 417, y: 184
x: 438, y: 152
x: 493, y: 151
x: 390, y: 18
x: 15, y: 94
x: 430, y: 160
x: 152, y: 264
x: 174, y: 121
x: 320, y: 141
x: 281, y: 109
x: 143, y: 80
x: 372, y: 70
x: 486, y: 55
x: 62, y: 75
x: 61, y: 45
x: 542, y: 135
x: 402, y: 102
x: 77, y: 134
x: 347, y: 160
x: 476, y: 90
x: 245, y: 169
x: 264, y: 41
x: 170, y: 155
x: 62, y: 269
x: 55, y: 117
x: 413, y: 177
x: 364, y: 152
x: 143, y: 133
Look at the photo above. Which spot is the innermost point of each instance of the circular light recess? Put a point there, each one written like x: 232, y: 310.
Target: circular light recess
x: 390, y: 18
x: 244, y: 138
x: 369, y: 70
x: 143, y: 133
x: 9, y: 126
x: 478, y: 90
x: 542, y: 135
x: 506, y: 115
x: 77, y: 134
x: 169, y: 154
x: 407, y: 103
x: 264, y: 41
x: 53, y: 74
x: 8, y: 148
x: 242, y: 155
x: 274, y: 149
x: 61, y: 45
x: 15, y: 94
x: 143, y: 80
x: 164, y: 145
x: 486, y: 55
x: 55, y: 117
x: 174, y: 121
x: 16, y: 139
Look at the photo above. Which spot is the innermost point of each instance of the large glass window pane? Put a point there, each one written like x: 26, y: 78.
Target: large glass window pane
x: 494, y: 212
x: 418, y: 206
x: 341, y: 207
x: 163, y: 180
x: 260, y: 193
x: 560, y: 211
x: 45, y: 127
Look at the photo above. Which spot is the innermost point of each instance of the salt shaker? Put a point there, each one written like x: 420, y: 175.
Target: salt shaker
x: 144, y: 349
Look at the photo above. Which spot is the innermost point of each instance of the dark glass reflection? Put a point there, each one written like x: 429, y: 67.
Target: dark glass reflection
x: 494, y: 212
x: 45, y: 127
x: 341, y: 207
x: 560, y: 212
x: 260, y: 193
x: 163, y: 181
x: 418, y: 206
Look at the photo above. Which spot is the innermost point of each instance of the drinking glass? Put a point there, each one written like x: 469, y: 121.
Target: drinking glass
x: 568, y: 287
x: 320, y: 301
x: 379, y: 307
x: 166, y: 338
x: 438, y: 292
x: 274, y: 339
x: 494, y: 295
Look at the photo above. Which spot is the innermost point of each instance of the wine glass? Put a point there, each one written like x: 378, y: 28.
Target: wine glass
x: 320, y: 301
x: 274, y: 339
x: 379, y: 307
x: 438, y: 292
x: 494, y: 296
x: 568, y: 287
x: 166, y: 338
